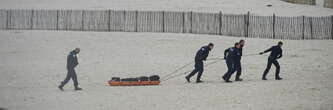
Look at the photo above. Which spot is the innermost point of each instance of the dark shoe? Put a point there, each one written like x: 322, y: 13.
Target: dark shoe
x: 239, y: 79
x: 60, y: 87
x: 264, y: 78
x: 278, y: 78
x: 227, y: 81
x: 223, y: 77
x: 78, y: 89
x: 188, y: 79
x: 199, y: 81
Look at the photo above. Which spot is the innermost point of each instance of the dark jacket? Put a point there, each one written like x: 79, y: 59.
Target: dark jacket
x: 232, y: 53
x: 72, y: 60
x: 276, y: 52
x: 239, y: 57
x: 202, y: 54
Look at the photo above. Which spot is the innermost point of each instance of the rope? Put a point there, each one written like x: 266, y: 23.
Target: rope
x: 251, y: 54
x: 171, y: 75
x: 174, y: 76
x: 178, y: 69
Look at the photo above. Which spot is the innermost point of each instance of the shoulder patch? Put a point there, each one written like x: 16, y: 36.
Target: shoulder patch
x: 202, y: 49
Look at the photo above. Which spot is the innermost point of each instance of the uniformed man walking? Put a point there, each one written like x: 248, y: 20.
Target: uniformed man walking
x: 200, y: 56
x: 72, y: 62
x: 231, y: 55
x: 276, y: 53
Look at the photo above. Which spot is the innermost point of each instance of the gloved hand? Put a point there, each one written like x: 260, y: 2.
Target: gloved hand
x: 261, y: 53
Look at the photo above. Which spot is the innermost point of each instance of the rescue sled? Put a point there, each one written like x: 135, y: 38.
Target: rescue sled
x: 140, y: 81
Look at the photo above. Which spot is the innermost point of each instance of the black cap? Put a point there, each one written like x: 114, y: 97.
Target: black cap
x: 210, y: 44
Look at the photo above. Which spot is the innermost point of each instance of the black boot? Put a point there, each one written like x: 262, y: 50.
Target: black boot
x: 199, y: 81
x: 238, y: 79
x: 227, y: 81
x: 77, y: 89
x: 278, y: 78
x: 61, y: 87
x: 223, y: 77
x: 264, y: 78
x: 188, y: 79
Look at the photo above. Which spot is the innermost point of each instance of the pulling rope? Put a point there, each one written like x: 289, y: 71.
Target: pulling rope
x: 171, y: 75
x: 178, y: 69
x: 178, y: 74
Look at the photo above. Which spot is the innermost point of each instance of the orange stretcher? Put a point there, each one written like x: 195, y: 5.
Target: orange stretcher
x: 133, y: 83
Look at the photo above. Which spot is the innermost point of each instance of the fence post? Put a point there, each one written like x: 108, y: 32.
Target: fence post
x: 303, y: 27
x: 8, y: 17
x: 183, y: 22
x: 191, y: 22
x: 109, y: 20
x: 247, y: 23
x: 220, y: 25
x: 57, y: 25
x: 136, y: 20
x: 332, y: 27
x: 163, y: 28
x: 274, y: 20
x: 125, y: 19
x: 32, y: 20
x: 82, y: 21
x: 311, y: 28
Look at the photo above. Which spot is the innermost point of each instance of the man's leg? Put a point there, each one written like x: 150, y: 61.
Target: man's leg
x: 239, y: 71
x: 188, y: 77
x: 228, y: 67
x: 269, y: 64
x: 200, y: 71
x: 228, y: 74
x: 74, y: 78
x: 63, y: 83
x: 277, y: 72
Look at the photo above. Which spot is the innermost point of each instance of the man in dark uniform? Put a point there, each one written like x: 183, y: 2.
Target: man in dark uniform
x: 231, y: 55
x: 200, y: 56
x: 72, y: 62
x: 276, y: 53
x: 238, y: 61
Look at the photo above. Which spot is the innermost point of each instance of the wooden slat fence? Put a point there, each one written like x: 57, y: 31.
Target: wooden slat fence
x: 240, y: 25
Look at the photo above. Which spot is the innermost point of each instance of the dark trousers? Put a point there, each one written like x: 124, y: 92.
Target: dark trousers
x: 198, y: 68
x: 70, y: 74
x: 231, y: 69
x: 269, y: 64
x: 238, y: 67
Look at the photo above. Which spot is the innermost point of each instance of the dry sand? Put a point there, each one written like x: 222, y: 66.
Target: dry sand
x: 32, y: 64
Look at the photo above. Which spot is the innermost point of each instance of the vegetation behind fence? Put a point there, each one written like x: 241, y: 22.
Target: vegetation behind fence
x: 247, y: 25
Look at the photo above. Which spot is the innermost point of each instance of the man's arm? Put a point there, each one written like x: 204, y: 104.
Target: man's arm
x: 270, y: 49
x: 226, y: 51
x: 280, y: 55
x: 75, y: 61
